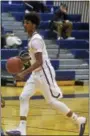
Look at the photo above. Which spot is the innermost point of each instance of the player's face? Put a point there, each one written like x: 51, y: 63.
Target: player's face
x: 28, y: 26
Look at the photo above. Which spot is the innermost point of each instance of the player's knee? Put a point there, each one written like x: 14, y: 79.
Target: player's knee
x: 23, y: 97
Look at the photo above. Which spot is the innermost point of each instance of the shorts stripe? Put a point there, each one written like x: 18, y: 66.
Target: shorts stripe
x: 50, y: 72
x: 49, y: 84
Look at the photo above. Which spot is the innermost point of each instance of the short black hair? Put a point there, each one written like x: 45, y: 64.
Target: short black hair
x: 33, y: 17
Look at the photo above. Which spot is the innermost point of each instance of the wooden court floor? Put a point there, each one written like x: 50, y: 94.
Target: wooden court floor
x: 42, y: 120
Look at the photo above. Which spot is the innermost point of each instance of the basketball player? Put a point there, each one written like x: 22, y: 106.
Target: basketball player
x: 43, y: 75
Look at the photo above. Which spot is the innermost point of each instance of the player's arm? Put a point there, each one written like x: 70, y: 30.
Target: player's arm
x: 37, y: 64
x: 29, y: 70
x: 37, y: 50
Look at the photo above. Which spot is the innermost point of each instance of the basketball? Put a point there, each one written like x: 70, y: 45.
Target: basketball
x: 14, y: 65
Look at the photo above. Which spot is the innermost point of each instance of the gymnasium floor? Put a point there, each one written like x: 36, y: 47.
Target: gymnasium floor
x: 42, y: 120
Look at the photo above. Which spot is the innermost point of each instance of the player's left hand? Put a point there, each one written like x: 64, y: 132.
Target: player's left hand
x: 20, y: 76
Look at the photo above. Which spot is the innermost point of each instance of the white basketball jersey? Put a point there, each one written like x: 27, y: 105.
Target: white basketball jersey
x: 37, y: 44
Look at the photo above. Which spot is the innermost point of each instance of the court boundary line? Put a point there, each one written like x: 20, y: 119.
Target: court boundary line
x: 39, y: 97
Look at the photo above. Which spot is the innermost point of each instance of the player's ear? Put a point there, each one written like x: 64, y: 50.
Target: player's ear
x: 34, y: 26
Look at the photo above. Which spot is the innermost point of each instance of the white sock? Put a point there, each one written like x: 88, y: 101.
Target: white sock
x: 22, y: 127
x: 22, y: 123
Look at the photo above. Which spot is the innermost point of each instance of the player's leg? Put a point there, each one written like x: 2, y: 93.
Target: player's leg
x: 51, y: 94
x: 28, y: 91
x: 51, y: 91
x: 81, y: 121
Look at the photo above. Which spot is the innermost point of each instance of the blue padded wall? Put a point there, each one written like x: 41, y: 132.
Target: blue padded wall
x: 73, y: 44
x: 65, y: 75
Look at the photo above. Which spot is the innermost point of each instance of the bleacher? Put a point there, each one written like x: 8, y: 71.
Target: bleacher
x: 73, y: 55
